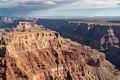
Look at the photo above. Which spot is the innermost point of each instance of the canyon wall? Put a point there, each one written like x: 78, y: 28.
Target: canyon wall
x: 102, y: 37
x: 42, y: 54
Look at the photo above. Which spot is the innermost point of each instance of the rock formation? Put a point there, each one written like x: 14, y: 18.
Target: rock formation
x: 102, y: 37
x: 109, y: 40
x: 41, y: 54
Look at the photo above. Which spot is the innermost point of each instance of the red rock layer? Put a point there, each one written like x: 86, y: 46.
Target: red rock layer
x: 44, y: 55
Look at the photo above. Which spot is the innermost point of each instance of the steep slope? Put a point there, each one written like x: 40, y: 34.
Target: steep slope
x: 32, y: 53
x: 103, y: 37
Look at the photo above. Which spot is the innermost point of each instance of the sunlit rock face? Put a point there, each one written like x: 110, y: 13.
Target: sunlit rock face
x: 103, y: 37
x: 32, y: 53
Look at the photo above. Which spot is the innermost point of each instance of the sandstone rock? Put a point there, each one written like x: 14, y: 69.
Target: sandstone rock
x: 99, y: 36
x: 109, y: 40
x: 42, y: 54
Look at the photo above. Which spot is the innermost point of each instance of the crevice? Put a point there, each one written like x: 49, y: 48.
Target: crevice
x: 69, y: 77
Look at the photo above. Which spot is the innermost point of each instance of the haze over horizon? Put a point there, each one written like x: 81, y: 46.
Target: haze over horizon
x: 39, y: 8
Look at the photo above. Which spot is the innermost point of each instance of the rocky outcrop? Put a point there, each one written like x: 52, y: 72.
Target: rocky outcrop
x: 100, y: 36
x: 109, y: 40
x: 42, y: 54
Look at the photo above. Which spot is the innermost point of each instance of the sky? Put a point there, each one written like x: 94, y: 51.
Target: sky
x: 40, y: 8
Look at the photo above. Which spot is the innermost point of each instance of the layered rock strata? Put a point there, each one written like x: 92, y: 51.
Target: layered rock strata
x: 41, y: 54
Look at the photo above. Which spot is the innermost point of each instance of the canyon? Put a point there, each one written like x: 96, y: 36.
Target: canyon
x: 104, y: 37
x: 33, y: 52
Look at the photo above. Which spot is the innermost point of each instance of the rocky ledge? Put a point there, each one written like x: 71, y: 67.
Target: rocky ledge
x: 32, y: 53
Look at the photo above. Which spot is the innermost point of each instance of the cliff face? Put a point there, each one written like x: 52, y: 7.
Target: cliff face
x: 102, y: 37
x: 41, y: 54
x: 98, y: 36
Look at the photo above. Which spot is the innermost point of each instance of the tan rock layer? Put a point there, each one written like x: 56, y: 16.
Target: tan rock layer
x: 44, y: 55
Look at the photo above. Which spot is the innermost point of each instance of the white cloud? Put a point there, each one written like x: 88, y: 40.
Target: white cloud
x: 95, y: 3
x: 49, y: 2
x: 18, y: 7
x: 75, y: 4
x: 14, y: 3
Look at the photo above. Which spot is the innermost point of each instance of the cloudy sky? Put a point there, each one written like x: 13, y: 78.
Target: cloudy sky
x: 37, y: 8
